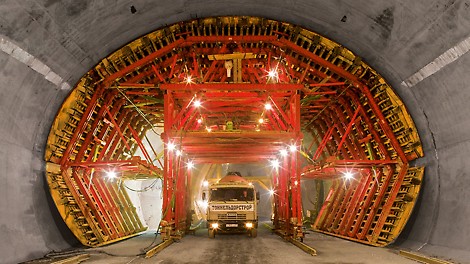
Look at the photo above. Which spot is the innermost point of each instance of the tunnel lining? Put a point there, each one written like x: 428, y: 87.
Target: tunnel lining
x: 131, y: 65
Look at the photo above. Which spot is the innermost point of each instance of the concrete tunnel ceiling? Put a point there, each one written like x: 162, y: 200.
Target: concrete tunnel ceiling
x: 208, y: 83
x: 420, y: 47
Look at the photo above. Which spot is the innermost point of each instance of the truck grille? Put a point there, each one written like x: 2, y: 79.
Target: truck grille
x: 231, y: 216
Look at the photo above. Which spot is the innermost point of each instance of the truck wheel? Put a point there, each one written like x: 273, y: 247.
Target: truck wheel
x: 253, y: 232
x: 211, y: 233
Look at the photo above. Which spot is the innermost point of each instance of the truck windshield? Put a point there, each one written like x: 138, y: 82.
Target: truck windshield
x: 232, y: 194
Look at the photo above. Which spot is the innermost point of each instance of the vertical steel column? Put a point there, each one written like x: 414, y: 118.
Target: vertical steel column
x: 187, y: 204
x: 168, y: 170
x: 276, y: 199
x: 285, y: 195
x: 180, y: 192
x: 296, y: 199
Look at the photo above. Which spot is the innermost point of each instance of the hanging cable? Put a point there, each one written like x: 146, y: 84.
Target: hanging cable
x: 327, y: 106
x: 144, y: 189
x: 137, y: 109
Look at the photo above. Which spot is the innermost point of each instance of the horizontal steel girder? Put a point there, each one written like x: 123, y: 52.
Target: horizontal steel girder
x: 133, y: 165
x: 231, y: 87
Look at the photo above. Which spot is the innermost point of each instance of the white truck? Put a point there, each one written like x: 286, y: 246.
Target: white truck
x: 232, y: 206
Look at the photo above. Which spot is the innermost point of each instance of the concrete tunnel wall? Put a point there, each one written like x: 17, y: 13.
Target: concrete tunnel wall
x: 47, y: 45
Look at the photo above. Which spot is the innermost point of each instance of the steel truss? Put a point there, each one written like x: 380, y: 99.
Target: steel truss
x: 237, y: 90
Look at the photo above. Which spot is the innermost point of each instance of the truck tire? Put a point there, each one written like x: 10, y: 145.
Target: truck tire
x: 211, y: 233
x: 254, y: 233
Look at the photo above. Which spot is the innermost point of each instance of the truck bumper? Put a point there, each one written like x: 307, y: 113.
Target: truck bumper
x: 232, y: 226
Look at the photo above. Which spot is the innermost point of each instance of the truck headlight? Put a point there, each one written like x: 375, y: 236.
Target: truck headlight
x: 249, y: 225
x: 215, y: 225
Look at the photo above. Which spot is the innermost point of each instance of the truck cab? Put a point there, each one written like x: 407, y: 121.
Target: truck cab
x: 232, y: 206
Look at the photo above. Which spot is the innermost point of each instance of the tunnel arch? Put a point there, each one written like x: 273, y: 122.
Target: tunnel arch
x: 68, y: 44
x: 354, y: 120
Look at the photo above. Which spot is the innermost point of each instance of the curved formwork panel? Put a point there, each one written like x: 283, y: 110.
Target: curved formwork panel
x: 236, y: 64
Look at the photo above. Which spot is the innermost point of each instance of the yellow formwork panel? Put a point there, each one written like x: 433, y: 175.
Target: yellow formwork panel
x: 334, y: 52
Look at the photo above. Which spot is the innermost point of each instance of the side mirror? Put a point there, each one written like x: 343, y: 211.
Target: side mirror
x: 203, y: 196
x: 257, y: 196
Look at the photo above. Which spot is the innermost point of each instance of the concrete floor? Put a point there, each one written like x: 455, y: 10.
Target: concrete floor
x: 239, y: 248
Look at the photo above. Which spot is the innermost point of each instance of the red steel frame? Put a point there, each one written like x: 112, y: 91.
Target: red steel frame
x: 339, y: 128
x: 245, y: 144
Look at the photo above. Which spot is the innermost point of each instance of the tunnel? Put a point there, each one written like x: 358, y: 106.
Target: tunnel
x: 352, y: 116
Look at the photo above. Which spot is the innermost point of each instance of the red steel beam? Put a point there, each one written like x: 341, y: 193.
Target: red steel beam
x: 336, y: 201
x: 94, y: 126
x: 104, y: 130
x: 337, y: 120
x: 82, y: 124
x: 370, y: 124
x: 328, y: 84
x: 117, y: 128
x: 389, y: 201
x: 346, y: 133
x: 114, y: 205
x: 181, y: 112
x: 113, y: 139
x: 325, y: 139
x: 108, y: 203
x: 341, y: 214
x: 351, y: 213
x: 84, y: 208
x: 227, y: 39
x: 230, y: 87
x: 164, y: 50
x: 368, y: 195
x: 377, y: 203
x: 345, y: 74
x: 94, y: 204
x: 322, y: 214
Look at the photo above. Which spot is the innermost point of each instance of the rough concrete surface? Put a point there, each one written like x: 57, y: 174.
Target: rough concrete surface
x: 239, y: 248
x: 397, y: 38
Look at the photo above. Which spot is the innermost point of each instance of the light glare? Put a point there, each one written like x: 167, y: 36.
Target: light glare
x: 188, y: 79
x: 197, y: 103
x: 170, y: 146
x: 190, y: 165
x: 348, y: 175
x: 283, y: 152
x: 275, y: 164
x: 272, y: 74
x: 293, y: 148
x: 111, y: 175
x: 268, y: 106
